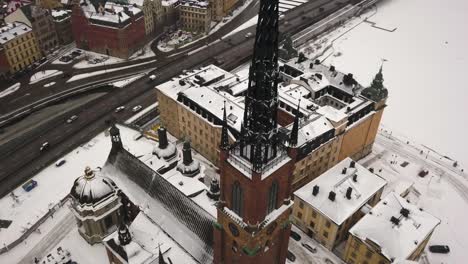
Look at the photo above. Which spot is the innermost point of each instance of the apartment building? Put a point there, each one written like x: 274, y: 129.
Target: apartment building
x: 42, y: 24
x: 327, y: 207
x: 393, y: 231
x: 18, y: 48
x: 195, y: 16
x: 335, y: 121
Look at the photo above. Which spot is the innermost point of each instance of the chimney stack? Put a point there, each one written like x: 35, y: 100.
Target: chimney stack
x: 349, y: 191
x: 187, y: 153
x: 162, y: 134
x: 332, y: 196
x: 315, y: 190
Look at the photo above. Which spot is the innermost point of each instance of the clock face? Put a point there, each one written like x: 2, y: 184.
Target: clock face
x: 234, y: 229
x: 271, y: 228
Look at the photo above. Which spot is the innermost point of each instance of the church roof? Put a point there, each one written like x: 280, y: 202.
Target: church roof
x: 179, y: 216
x: 91, y: 188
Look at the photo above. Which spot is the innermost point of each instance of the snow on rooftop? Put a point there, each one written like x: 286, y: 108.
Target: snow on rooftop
x: 314, y: 127
x: 111, y: 12
x: 12, y: 31
x: 332, y: 113
x: 397, y: 241
x: 168, y: 2
x: 363, y: 189
x: 147, y: 239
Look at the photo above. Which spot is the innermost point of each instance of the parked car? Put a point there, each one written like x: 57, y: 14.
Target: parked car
x: 119, y: 109
x: 295, y: 235
x: 444, y: 249
x: 65, y: 58
x: 44, y: 146
x: 42, y: 60
x: 29, y: 185
x: 60, y: 162
x: 71, y: 119
x: 310, y: 247
x: 290, y: 256
x: 136, y: 108
x: 248, y: 34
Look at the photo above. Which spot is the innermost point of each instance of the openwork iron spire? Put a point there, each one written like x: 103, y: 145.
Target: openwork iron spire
x: 259, y: 131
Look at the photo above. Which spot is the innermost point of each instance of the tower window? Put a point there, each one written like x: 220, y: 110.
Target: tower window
x: 237, y: 203
x: 272, y: 197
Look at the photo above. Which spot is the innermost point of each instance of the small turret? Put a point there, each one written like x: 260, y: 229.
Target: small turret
x: 214, y: 191
x: 189, y: 167
x: 115, y: 137
x: 124, y: 235
x: 164, y: 149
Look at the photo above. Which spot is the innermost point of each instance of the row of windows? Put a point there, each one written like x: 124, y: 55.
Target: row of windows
x: 19, y: 40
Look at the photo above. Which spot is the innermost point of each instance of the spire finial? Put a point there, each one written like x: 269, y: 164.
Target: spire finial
x: 295, y: 128
x: 224, y: 132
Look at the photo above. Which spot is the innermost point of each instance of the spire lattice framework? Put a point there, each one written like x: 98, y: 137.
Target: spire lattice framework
x: 259, y: 140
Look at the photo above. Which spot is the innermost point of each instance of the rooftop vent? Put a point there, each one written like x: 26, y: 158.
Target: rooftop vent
x: 311, y: 65
x: 355, y: 178
x: 349, y: 191
x: 352, y: 164
x: 332, y: 68
x: 405, y: 212
x: 319, y: 76
x: 181, y: 82
x: 315, y: 190
x: 317, y: 61
x: 332, y: 196
x: 343, y: 171
x: 395, y: 220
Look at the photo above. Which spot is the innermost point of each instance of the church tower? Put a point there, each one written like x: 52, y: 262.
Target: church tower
x: 254, y: 206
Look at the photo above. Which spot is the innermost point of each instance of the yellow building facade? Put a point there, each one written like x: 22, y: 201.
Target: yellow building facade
x: 195, y: 17
x: 329, y: 221
x: 19, y: 46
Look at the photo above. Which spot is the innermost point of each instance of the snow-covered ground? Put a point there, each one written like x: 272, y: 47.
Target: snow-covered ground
x: 42, y: 75
x: 125, y: 82
x: 424, y: 71
x: 443, y: 192
x: 86, y: 75
x: 10, y: 90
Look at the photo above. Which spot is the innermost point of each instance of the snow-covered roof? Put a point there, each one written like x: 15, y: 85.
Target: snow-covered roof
x: 314, y: 128
x: 332, y: 113
x: 110, y: 13
x: 397, y: 239
x: 169, y: 2
x: 59, y: 14
x: 213, y: 102
x: 194, y: 3
x: 147, y: 239
x: 183, y: 211
x: 334, y: 180
x: 12, y: 31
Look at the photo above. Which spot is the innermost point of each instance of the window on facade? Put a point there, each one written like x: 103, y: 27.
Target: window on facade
x: 369, y: 254
x: 353, y: 254
x: 237, y: 203
x: 328, y: 224
x: 272, y: 197
x: 325, y: 234
x: 365, y: 262
x: 234, y: 246
x: 312, y: 224
x: 299, y: 215
x: 301, y: 205
x: 314, y: 214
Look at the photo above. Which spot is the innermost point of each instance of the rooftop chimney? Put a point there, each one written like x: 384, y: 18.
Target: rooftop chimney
x: 344, y: 170
x: 395, y: 220
x: 355, y: 178
x: 315, y: 190
x: 352, y: 164
x: 162, y: 134
x: 348, y: 193
x: 405, y: 212
x: 332, y: 196
x: 187, y: 153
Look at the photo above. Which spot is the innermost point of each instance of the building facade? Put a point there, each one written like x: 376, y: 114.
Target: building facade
x: 114, y: 30
x: 62, y: 21
x: 18, y: 48
x: 408, y: 227
x: 42, y: 24
x: 195, y: 16
x: 221, y: 8
x: 327, y: 207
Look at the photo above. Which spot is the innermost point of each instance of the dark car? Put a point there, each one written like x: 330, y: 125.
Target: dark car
x: 295, y: 236
x: 42, y: 60
x: 439, y: 249
x: 291, y: 256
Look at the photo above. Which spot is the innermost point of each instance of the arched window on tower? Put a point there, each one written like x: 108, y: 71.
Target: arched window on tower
x: 237, y: 202
x: 272, y: 197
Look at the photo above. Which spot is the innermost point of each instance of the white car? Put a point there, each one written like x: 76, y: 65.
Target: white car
x: 119, y: 109
x: 71, y: 119
x: 152, y: 77
x: 248, y: 35
x: 44, y: 146
x: 136, y: 108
